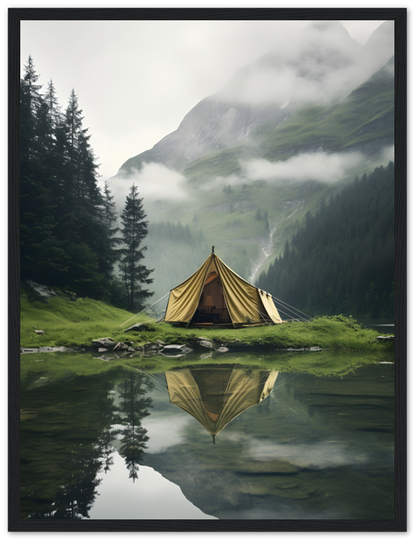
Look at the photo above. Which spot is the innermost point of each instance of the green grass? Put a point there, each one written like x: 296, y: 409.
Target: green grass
x: 346, y: 344
x: 69, y: 323
x: 77, y: 323
x: 337, y: 333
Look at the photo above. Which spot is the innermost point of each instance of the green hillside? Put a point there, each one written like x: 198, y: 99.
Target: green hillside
x: 342, y: 259
x: 361, y: 121
x: 225, y: 205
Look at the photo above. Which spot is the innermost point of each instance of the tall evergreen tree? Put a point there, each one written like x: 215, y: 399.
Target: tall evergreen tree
x: 65, y: 241
x: 342, y: 259
x: 42, y: 253
x: 109, y: 212
x: 134, y: 231
x: 30, y: 100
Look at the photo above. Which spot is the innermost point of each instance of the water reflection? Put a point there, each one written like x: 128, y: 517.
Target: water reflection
x: 132, y: 410
x: 290, y: 445
x: 215, y: 395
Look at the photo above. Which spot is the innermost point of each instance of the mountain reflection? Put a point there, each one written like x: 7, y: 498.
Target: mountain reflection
x: 215, y: 395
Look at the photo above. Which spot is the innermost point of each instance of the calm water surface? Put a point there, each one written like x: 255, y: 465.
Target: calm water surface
x: 212, y: 442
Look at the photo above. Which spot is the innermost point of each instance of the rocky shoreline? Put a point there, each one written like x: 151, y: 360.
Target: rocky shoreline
x: 109, y: 349
x: 107, y: 346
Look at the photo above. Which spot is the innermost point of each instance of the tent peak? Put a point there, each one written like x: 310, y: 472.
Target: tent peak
x: 213, y: 249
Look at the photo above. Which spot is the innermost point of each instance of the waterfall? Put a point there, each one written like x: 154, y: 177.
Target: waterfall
x: 266, y: 249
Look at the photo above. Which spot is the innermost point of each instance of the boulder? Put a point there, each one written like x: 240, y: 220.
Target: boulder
x: 39, y: 332
x: 104, y: 343
x: 40, y: 291
x: 222, y: 349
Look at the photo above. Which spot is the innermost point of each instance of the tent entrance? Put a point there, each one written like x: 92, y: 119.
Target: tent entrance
x: 212, y: 308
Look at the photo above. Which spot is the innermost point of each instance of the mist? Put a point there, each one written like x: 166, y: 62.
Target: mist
x: 322, y: 167
x: 321, y: 64
x: 154, y: 182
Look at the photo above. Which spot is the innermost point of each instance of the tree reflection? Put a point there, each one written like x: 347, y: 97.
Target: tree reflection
x: 133, y: 409
x: 69, y: 437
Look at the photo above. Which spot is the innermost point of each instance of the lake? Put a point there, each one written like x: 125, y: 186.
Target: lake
x: 209, y: 442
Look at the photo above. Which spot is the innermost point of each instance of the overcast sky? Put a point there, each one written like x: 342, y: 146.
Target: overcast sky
x: 136, y: 80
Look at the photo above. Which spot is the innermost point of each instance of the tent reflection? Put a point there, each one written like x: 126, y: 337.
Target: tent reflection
x: 215, y: 395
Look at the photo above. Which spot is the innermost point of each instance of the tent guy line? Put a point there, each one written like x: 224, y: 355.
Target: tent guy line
x: 216, y: 296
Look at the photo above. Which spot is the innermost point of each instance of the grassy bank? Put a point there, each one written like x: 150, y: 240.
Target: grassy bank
x: 76, y: 323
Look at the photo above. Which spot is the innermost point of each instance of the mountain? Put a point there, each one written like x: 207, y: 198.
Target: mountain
x: 269, y: 90
x: 293, y: 127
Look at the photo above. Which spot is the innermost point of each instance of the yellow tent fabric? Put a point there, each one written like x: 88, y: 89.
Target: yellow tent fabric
x: 216, y: 289
x: 216, y: 396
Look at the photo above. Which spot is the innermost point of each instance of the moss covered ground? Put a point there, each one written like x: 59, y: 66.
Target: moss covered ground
x: 70, y: 323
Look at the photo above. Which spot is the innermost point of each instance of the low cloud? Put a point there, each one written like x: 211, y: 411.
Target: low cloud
x: 320, y: 166
x: 154, y: 182
x: 321, y: 64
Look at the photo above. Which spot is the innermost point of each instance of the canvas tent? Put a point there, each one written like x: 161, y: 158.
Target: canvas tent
x: 216, y: 295
x: 215, y: 396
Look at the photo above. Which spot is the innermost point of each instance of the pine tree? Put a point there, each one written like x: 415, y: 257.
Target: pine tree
x: 134, y: 231
x: 42, y: 253
x: 109, y: 213
x: 65, y: 239
x: 30, y: 100
x: 81, y: 167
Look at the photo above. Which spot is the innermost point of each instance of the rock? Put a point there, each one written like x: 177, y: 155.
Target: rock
x: 385, y: 337
x: 47, y: 349
x: 206, y: 344
x: 44, y: 349
x: 174, y: 350
x: 121, y: 346
x: 104, y: 342
x: 222, y: 349
x: 41, y: 291
x: 206, y: 356
x: 315, y: 348
x: 39, y: 332
x: 140, y: 327
x: 152, y: 347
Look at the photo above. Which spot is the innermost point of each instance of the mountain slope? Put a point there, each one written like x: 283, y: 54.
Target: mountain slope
x: 248, y: 169
x: 342, y: 259
x: 324, y: 67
